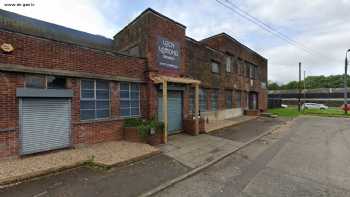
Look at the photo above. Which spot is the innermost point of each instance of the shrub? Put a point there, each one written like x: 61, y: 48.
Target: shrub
x: 144, y: 126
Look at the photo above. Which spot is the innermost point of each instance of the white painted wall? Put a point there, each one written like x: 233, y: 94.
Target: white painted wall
x: 222, y: 114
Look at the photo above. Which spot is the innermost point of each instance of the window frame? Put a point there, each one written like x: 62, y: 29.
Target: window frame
x: 129, y: 99
x: 256, y: 73
x: 228, y: 93
x: 45, y: 81
x: 228, y: 68
x: 246, y: 69
x: 251, y: 71
x: 95, y: 100
x: 218, y: 67
x: 240, y: 67
x: 239, y: 99
x: 203, y: 96
x: 214, y: 94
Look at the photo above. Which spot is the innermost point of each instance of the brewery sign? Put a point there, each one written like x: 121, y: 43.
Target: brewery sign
x: 168, y: 53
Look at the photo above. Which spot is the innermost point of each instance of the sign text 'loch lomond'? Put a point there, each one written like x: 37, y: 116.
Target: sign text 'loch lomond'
x: 168, y: 53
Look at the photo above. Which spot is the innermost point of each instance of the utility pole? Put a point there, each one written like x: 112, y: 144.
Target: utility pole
x: 304, y: 86
x: 299, y: 87
x: 346, y: 83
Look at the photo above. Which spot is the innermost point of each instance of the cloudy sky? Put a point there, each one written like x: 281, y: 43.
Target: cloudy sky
x: 321, y: 28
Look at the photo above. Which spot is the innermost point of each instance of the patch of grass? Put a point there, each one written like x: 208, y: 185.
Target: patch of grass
x: 330, y: 112
x: 285, y: 112
x: 293, y: 112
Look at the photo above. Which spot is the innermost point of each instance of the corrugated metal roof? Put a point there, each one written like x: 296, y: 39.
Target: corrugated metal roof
x: 18, y: 23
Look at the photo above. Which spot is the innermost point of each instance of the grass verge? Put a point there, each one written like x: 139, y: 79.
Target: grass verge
x: 293, y: 112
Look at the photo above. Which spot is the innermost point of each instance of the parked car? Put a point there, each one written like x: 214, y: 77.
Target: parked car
x: 284, y: 106
x: 347, y: 107
x: 314, y: 106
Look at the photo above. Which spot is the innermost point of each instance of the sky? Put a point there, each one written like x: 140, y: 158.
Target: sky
x: 320, y: 28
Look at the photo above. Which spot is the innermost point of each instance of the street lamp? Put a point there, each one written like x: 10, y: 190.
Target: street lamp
x: 346, y: 83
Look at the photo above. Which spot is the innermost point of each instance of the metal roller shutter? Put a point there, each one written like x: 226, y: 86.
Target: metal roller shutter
x: 45, y: 124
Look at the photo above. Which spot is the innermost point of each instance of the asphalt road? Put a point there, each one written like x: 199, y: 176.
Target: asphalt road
x: 309, y: 158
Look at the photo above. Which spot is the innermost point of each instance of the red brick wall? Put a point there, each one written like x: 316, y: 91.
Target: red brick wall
x: 9, y: 113
x: 227, y: 45
x: 143, y: 33
x: 173, y: 32
x: 43, y: 53
x: 91, y: 132
x: 198, y: 64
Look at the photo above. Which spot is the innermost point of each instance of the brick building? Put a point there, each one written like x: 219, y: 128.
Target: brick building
x: 65, y: 88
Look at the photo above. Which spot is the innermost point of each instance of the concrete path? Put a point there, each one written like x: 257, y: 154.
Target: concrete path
x: 247, y: 130
x: 126, y: 181
x: 194, y: 151
x: 311, y: 158
x: 218, y: 124
x: 106, y: 154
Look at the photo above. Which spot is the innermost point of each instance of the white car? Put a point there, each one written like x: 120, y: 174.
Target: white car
x: 314, y: 106
x: 284, y: 106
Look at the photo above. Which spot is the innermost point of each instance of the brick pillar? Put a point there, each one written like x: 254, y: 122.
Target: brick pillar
x: 152, y: 100
x: 186, y: 102
x: 9, y: 143
x: 115, y: 101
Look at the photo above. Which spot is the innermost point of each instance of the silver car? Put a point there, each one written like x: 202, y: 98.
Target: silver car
x: 314, y: 106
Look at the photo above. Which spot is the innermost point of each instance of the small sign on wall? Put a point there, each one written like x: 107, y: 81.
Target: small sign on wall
x: 168, y: 53
x: 7, y: 47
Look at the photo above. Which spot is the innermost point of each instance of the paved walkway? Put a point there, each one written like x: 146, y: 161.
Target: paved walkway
x: 248, y: 130
x: 106, y: 154
x: 194, y: 151
x: 219, y: 124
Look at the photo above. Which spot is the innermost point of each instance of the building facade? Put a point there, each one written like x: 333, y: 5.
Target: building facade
x: 65, y: 88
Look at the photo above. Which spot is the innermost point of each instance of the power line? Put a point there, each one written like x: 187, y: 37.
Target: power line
x: 261, y: 25
x: 266, y: 27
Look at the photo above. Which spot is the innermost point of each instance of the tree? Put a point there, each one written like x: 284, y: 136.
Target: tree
x: 273, y: 85
x: 312, y: 82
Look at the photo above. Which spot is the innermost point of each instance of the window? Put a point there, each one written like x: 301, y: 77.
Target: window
x: 56, y: 82
x: 241, y: 66
x: 35, y: 81
x: 234, y: 65
x: 94, y: 99
x: 228, y: 94
x: 214, y: 67
x: 251, y: 71
x: 214, y: 100
x: 129, y: 99
x: 256, y: 73
x: 44, y: 82
x: 134, y: 51
x: 238, y: 97
x: 246, y: 69
x: 228, y: 63
x: 202, y: 100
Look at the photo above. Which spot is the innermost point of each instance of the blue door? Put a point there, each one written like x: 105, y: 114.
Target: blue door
x: 174, y: 111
